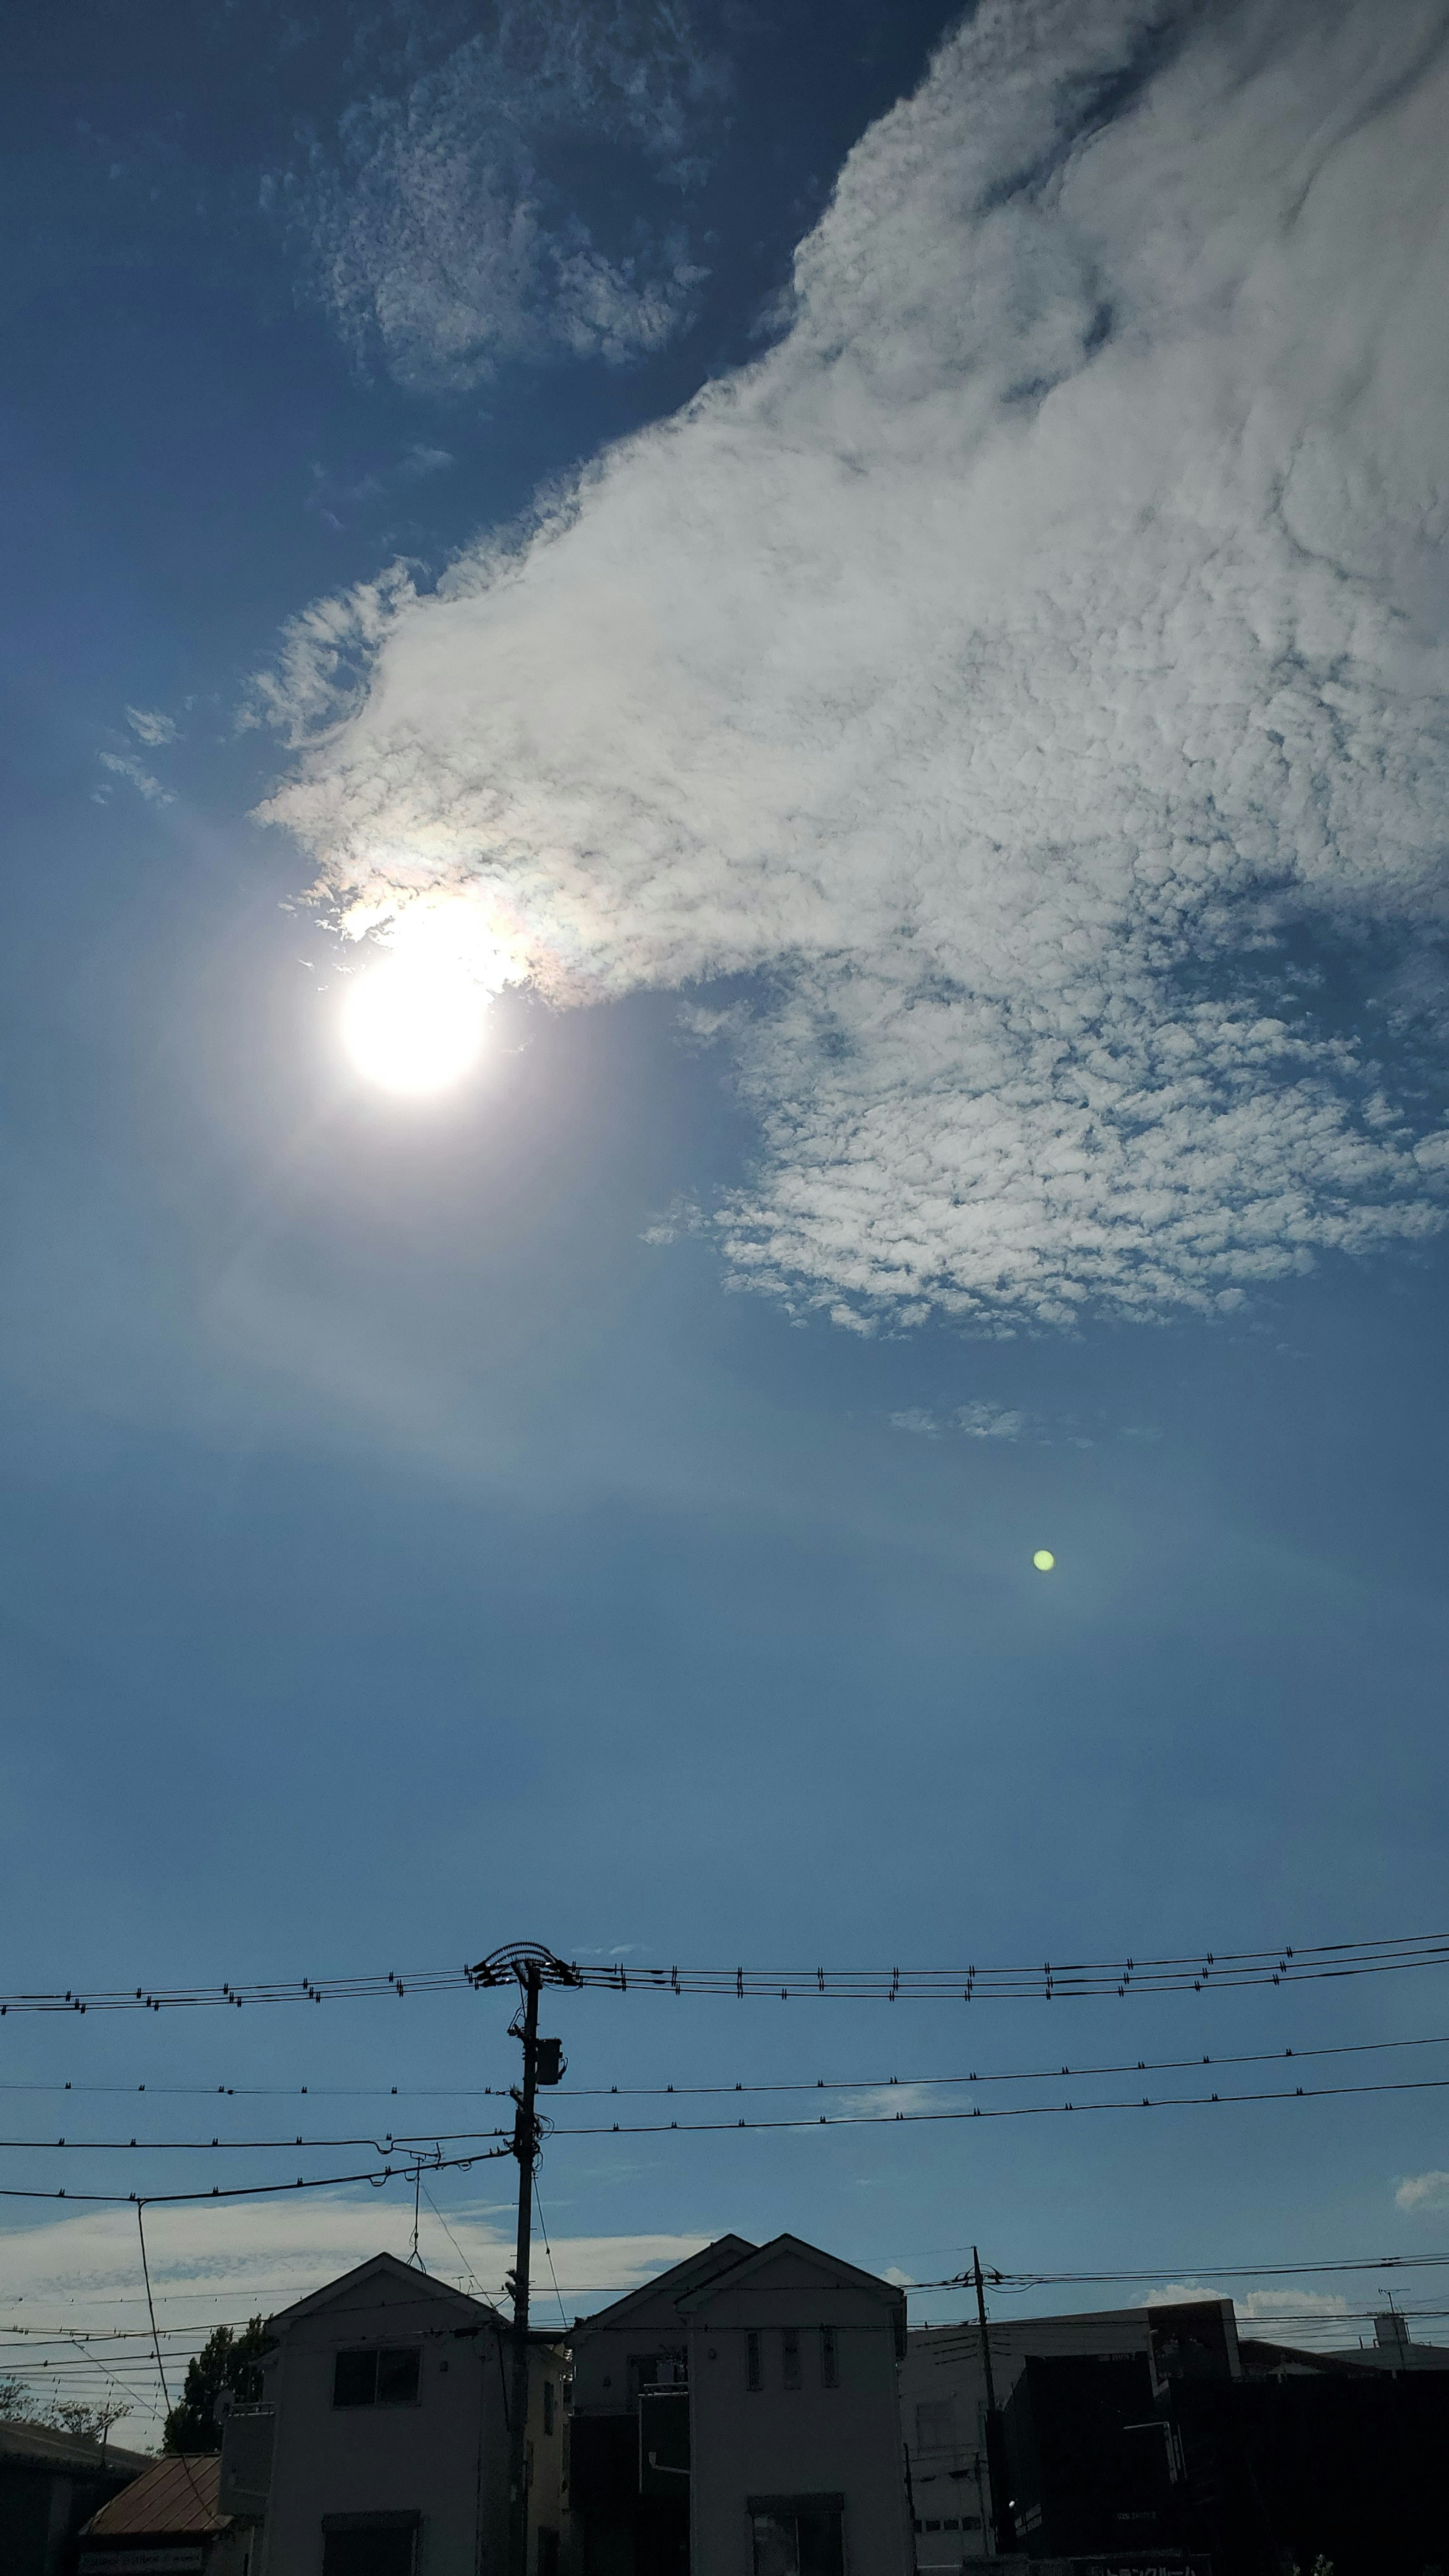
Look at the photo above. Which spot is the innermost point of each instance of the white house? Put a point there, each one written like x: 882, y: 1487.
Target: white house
x: 380, y: 2447
x: 739, y: 2417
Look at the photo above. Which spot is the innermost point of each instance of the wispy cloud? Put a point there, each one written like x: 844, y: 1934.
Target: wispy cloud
x: 150, y: 726
x: 1423, y: 2191
x: 430, y: 226
x: 1046, y: 631
x: 978, y: 1421
x: 123, y: 765
x: 222, y: 2264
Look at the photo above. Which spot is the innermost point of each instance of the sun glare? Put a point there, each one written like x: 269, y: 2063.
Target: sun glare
x: 415, y: 1023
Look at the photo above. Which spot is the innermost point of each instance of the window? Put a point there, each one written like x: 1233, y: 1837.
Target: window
x: 790, y: 2356
x: 362, y: 2544
x: 797, y: 2535
x: 829, y: 2367
x: 383, y: 2375
x: 548, y: 2406
x: 936, y: 2425
x: 754, y: 2375
x: 668, y: 2369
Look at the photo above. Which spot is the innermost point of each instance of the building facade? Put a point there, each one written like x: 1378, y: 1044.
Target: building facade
x: 380, y: 2446
x: 740, y: 2417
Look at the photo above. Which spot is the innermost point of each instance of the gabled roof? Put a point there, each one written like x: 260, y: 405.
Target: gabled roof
x: 805, y: 2258
x: 422, y: 2289
x: 691, y: 2274
x: 44, y: 2446
x: 177, y: 2494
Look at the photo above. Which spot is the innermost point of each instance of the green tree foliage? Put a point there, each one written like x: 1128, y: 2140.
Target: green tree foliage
x: 226, y: 2360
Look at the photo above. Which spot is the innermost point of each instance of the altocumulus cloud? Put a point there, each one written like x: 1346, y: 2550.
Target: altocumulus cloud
x: 1007, y: 674
x: 428, y: 223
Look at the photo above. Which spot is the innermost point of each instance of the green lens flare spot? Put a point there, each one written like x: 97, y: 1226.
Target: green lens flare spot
x: 1043, y: 1560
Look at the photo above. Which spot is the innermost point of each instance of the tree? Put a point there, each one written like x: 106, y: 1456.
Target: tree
x: 225, y: 2361
x: 14, y: 2398
x: 92, y: 2423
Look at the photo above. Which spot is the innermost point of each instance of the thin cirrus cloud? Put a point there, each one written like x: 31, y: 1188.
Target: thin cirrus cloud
x: 430, y: 228
x: 1014, y: 677
x: 979, y: 1421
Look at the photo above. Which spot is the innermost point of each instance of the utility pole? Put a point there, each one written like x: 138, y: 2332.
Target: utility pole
x: 532, y: 1967
x: 525, y: 2147
x: 1003, y: 2521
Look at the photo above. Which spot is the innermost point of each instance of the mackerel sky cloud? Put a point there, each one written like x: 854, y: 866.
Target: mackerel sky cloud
x: 1029, y: 678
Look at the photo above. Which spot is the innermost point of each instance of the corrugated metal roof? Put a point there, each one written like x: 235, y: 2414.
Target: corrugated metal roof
x: 177, y: 2494
x: 46, y: 2446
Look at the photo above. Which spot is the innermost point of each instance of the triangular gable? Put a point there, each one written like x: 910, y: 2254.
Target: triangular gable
x: 693, y: 2273
x: 806, y: 2258
x: 378, y: 2268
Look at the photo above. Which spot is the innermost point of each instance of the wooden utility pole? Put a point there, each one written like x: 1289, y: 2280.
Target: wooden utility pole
x: 525, y: 2148
x: 1003, y: 2520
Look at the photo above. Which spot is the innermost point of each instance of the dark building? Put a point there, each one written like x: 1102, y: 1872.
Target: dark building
x: 50, y: 2483
x: 1255, y: 2459
x: 1092, y: 2463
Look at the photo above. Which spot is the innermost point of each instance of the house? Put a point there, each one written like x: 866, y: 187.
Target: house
x: 739, y: 2416
x: 50, y: 2484
x: 168, y: 2518
x: 380, y: 2445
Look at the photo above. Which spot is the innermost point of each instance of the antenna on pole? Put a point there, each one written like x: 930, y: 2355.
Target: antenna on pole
x: 531, y: 1967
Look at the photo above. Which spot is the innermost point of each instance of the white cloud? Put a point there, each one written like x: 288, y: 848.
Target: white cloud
x: 996, y: 674
x: 221, y: 2265
x: 990, y: 1421
x: 980, y: 1421
x: 431, y: 231
x: 1423, y: 2191
x: 150, y: 726
x: 122, y: 765
x: 1294, y: 2315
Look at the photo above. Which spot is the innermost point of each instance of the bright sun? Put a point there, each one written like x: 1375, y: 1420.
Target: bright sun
x: 415, y: 1023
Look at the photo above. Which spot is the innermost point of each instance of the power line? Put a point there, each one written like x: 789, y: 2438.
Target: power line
x: 684, y: 2092
x: 253, y: 2190
x: 1198, y: 1973
x: 392, y: 2140
x: 822, y: 2120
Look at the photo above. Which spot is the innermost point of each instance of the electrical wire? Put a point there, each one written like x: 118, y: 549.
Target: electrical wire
x: 1197, y: 1973
x: 252, y: 2190
x: 822, y: 2120
x: 394, y: 2141
x: 548, y: 2249
x: 644, y: 2092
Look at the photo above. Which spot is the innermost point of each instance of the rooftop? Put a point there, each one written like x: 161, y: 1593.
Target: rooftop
x: 176, y: 2494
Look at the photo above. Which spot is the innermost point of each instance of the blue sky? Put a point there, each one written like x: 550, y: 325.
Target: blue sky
x: 880, y: 580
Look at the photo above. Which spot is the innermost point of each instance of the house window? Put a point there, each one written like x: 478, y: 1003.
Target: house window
x: 548, y: 2406
x: 829, y: 2367
x: 382, y: 2375
x: 363, y: 2544
x: 668, y: 2369
x: 790, y: 2356
x: 797, y: 2535
x: 936, y: 2425
x: 754, y: 2375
